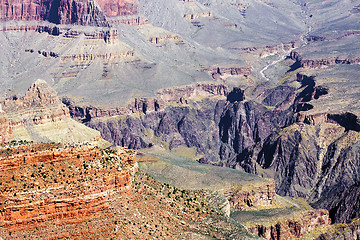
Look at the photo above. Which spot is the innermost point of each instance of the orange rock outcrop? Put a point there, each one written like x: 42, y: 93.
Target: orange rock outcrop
x: 41, y: 182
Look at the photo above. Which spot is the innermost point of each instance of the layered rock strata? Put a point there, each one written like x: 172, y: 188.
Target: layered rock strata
x: 223, y: 72
x: 40, y: 116
x: 83, y: 12
x: 254, y: 196
x: 277, y: 138
x: 323, y: 62
x: 292, y: 226
x: 40, y: 105
x: 145, y: 105
x: 42, y: 182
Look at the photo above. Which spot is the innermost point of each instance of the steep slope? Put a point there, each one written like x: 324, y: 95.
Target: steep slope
x: 65, y: 191
x: 84, y: 12
x: 291, y: 143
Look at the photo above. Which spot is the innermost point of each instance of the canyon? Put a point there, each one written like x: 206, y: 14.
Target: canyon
x: 221, y: 89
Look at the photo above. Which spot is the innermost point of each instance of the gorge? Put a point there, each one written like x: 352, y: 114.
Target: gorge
x: 251, y: 106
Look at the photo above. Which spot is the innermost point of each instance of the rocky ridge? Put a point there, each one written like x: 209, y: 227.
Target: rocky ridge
x: 292, y: 226
x: 146, y: 105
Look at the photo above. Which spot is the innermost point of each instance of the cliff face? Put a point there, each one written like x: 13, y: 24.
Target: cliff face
x: 84, y: 12
x: 44, y: 182
x: 322, y: 62
x: 24, y: 10
x: 147, y: 105
x: 253, y: 196
x: 282, y: 141
x: 293, y: 226
x: 6, y: 133
x: 118, y: 7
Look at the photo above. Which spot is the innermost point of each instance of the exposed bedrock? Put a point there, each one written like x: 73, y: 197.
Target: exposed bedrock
x: 39, y: 105
x: 37, y: 187
x: 252, y: 196
x: 292, y: 226
x: 83, y: 12
x: 314, y: 156
x: 342, y: 231
x: 320, y: 62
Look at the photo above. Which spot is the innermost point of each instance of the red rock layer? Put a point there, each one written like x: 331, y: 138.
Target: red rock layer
x: 24, y: 9
x: 118, y: 7
x: 84, y: 12
x: 42, y: 182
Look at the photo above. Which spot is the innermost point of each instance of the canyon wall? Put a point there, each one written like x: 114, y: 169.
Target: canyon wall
x: 146, y: 105
x: 321, y: 62
x: 277, y: 139
x: 83, y: 12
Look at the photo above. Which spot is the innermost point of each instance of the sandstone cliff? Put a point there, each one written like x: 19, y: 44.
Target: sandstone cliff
x: 83, y: 12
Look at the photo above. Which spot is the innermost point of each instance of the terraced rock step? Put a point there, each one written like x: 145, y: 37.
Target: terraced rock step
x: 42, y: 182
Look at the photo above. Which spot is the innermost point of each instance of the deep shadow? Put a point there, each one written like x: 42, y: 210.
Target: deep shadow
x: 347, y: 120
x: 236, y: 95
x: 54, y: 16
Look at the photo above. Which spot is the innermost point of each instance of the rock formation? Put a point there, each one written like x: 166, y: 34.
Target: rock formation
x: 83, y: 12
x: 144, y: 105
x: 292, y: 226
x: 252, y: 196
x: 42, y: 182
x: 40, y: 115
x: 281, y: 141
x: 322, y: 62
